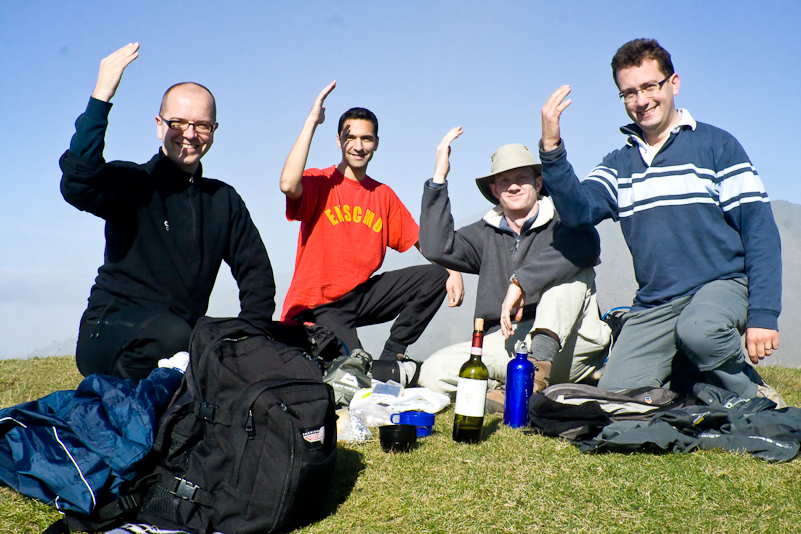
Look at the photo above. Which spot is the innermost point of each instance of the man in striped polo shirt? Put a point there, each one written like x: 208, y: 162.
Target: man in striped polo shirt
x: 695, y: 215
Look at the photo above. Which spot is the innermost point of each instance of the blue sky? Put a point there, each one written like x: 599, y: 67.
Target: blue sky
x: 421, y: 66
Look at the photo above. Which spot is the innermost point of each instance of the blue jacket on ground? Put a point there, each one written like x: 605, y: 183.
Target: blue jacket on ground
x: 73, y: 449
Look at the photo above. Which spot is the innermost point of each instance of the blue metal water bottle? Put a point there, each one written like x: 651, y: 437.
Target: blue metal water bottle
x: 519, y: 387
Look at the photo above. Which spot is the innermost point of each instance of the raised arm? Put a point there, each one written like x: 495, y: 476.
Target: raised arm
x: 578, y: 203
x: 84, y: 183
x: 111, y: 69
x: 443, y: 165
x: 439, y: 242
x: 551, y: 112
x: 454, y: 284
x: 436, y: 212
x: 90, y: 129
x: 295, y: 163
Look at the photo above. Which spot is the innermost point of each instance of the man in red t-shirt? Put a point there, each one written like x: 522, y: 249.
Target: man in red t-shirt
x: 347, y: 222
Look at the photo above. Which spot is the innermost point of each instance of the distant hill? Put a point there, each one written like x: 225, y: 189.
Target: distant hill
x: 56, y: 348
x: 616, y: 287
x: 614, y: 279
x: 788, y: 219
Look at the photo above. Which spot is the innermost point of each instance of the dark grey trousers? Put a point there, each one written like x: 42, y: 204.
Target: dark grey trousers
x: 129, y: 343
x: 411, y: 296
x: 706, y: 326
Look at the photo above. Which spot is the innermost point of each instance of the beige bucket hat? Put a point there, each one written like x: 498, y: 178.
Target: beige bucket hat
x: 508, y: 157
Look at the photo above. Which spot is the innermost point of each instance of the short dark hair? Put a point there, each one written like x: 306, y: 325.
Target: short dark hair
x: 361, y: 114
x: 633, y: 53
x: 203, y: 87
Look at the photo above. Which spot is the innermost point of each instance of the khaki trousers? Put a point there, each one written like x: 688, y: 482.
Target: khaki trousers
x: 569, y: 310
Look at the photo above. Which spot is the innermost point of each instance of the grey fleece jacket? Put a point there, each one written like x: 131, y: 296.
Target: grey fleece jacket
x: 546, y: 253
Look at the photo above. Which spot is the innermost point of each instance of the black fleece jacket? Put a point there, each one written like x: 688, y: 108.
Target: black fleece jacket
x: 167, y: 231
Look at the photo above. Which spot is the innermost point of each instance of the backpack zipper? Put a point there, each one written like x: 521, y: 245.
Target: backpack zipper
x: 288, y: 410
x: 249, y: 426
x: 281, y: 508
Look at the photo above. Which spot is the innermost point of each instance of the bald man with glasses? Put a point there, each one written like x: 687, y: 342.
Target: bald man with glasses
x: 168, y: 230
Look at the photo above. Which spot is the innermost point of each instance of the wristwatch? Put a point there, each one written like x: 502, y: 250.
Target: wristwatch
x: 513, y: 280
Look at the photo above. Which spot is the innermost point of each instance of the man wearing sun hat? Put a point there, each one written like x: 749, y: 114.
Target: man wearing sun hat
x: 521, y: 241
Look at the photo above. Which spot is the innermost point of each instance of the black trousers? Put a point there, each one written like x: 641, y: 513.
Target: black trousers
x: 411, y: 296
x: 130, y: 342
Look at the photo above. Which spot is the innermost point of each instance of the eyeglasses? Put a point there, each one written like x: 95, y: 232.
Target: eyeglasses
x: 651, y: 89
x: 182, y: 126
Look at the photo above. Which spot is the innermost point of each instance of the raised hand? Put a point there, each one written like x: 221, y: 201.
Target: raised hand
x: 443, y: 165
x: 551, y: 112
x: 317, y: 113
x: 292, y: 174
x: 111, y: 69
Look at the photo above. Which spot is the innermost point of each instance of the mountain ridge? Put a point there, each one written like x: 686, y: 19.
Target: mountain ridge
x: 616, y: 286
x: 614, y: 280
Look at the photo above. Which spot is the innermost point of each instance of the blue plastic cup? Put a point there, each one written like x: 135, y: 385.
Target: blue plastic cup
x: 424, y: 421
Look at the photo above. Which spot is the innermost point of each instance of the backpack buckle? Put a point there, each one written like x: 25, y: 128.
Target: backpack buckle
x: 206, y: 411
x: 185, y: 489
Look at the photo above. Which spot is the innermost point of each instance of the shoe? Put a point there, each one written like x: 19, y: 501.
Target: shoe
x: 764, y: 390
x: 542, y: 375
x: 496, y: 399
x: 402, y: 370
x: 411, y: 370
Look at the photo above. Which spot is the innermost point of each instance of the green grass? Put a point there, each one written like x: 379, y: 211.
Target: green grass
x: 513, y: 481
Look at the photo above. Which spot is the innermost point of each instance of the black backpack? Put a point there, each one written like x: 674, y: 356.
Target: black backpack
x: 249, y: 443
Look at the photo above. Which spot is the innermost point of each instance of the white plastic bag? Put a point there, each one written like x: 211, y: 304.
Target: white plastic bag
x: 350, y: 428
x: 375, y: 409
x: 422, y: 399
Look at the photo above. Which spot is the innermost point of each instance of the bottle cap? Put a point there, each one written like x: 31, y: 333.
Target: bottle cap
x: 479, y: 324
x: 521, y: 348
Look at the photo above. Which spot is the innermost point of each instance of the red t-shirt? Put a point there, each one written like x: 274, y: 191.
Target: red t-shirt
x: 346, y: 227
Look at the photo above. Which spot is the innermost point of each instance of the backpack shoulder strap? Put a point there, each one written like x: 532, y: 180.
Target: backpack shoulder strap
x: 106, y: 516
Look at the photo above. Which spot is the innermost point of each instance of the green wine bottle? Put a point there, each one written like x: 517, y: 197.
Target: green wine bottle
x: 471, y: 392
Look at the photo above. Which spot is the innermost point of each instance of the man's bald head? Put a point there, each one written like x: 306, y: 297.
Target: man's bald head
x: 189, y: 89
x: 185, y: 108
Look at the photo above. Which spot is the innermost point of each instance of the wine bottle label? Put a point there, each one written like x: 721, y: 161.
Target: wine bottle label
x: 470, y: 397
x: 475, y: 350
